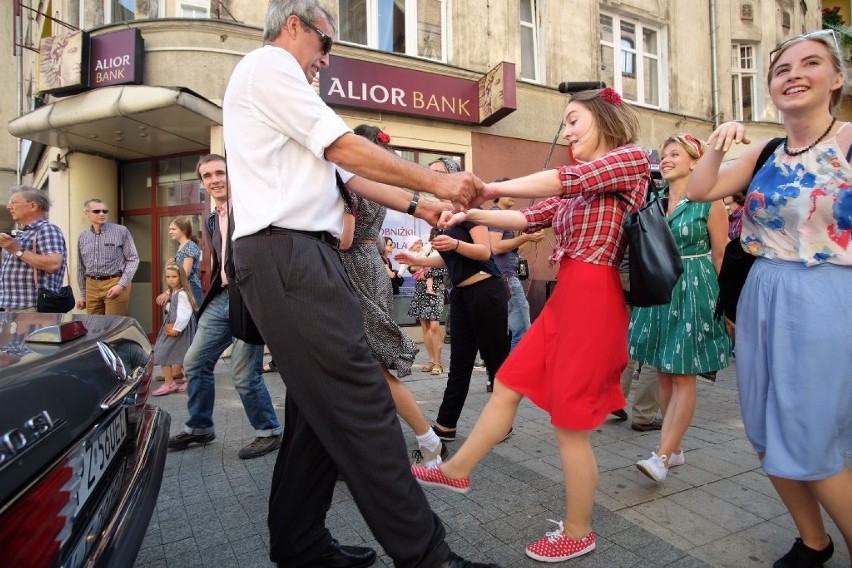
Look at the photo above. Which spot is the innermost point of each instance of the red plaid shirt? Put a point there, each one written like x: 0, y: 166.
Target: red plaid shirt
x: 587, y: 219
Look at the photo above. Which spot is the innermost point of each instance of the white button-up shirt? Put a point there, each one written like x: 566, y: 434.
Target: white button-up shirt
x: 276, y: 130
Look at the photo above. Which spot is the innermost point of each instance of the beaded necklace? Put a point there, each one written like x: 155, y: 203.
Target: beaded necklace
x: 790, y: 152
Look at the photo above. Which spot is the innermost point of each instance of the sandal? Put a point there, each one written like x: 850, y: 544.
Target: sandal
x: 437, y: 369
x: 166, y: 389
x: 427, y: 368
x: 182, y: 386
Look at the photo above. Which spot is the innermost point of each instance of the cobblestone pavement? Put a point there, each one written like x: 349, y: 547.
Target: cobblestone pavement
x: 718, y: 510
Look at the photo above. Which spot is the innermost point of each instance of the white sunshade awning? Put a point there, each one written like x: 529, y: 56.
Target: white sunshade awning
x: 125, y: 122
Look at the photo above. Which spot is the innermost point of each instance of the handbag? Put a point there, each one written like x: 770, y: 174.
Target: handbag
x: 736, y: 262
x: 50, y: 302
x: 523, y: 269
x: 655, y: 263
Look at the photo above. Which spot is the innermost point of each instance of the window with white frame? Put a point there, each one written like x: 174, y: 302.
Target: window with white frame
x: 119, y: 10
x: 744, y: 81
x: 411, y: 27
x: 194, y: 9
x: 529, y: 40
x: 632, y: 59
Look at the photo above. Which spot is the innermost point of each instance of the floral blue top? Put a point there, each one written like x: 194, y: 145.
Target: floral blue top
x: 191, y: 250
x: 799, y: 208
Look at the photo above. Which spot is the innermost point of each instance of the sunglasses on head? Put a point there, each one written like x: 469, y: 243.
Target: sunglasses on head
x: 324, y: 37
x: 98, y: 211
x: 809, y: 35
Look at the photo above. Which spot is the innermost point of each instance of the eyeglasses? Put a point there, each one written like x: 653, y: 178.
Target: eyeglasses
x: 99, y: 211
x: 809, y: 35
x: 326, y: 39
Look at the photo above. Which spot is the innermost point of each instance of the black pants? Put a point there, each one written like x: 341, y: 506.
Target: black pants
x: 479, y: 314
x: 339, y: 412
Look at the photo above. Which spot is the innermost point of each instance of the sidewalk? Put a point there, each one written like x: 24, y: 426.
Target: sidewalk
x: 718, y: 510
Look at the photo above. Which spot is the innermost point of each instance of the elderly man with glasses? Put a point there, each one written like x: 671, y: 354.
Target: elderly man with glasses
x: 107, y: 263
x: 284, y: 145
x: 35, y: 256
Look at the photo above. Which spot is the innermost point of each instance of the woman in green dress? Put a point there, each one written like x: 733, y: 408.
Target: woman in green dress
x: 682, y: 339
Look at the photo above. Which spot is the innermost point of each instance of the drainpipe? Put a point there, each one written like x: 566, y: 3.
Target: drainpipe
x: 19, y: 26
x: 714, y: 63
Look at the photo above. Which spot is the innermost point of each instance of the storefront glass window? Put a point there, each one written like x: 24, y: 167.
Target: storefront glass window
x: 136, y: 185
x: 177, y: 183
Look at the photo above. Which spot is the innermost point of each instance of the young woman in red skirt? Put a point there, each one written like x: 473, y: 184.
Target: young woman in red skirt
x: 570, y: 361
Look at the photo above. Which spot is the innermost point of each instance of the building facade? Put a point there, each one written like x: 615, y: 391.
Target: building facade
x: 474, y: 80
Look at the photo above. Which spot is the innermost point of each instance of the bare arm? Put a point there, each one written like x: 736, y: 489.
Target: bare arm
x: 187, y: 265
x: 397, y: 199
x: 415, y: 261
x: 717, y: 226
x: 509, y: 220
x: 479, y: 249
x: 499, y: 245
x: 348, y: 234
x: 710, y: 180
x: 360, y: 156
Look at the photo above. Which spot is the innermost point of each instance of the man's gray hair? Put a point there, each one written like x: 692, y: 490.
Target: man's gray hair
x: 32, y: 195
x: 90, y: 201
x: 280, y: 10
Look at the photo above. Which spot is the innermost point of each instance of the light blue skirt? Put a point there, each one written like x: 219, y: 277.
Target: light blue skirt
x: 794, y: 366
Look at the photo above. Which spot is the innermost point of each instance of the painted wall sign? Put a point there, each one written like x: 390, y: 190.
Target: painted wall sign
x: 62, y: 62
x: 364, y: 84
x: 116, y: 58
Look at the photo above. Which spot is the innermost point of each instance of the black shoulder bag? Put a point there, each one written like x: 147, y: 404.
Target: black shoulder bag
x: 736, y: 262
x: 655, y: 263
x: 50, y: 302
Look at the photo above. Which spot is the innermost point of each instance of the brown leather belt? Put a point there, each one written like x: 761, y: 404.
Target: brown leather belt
x: 116, y: 275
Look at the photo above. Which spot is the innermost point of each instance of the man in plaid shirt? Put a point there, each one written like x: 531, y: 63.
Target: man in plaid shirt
x: 37, y: 249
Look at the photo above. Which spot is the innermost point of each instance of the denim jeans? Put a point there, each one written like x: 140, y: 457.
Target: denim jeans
x: 519, y: 311
x: 211, y: 339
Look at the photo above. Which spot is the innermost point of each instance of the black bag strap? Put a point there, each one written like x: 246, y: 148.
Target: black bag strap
x: 650, y: 190
x: 766, y: 152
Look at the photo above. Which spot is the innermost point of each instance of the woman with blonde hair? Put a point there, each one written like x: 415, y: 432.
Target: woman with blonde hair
x: 682, y: 338
x: 794, y: 322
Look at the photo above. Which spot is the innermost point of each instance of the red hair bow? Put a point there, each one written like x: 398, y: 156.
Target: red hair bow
x: 610, y: 96
x: 383, y: 138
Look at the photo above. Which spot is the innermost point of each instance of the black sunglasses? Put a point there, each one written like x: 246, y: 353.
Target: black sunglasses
x: 98, y: 211
x: 324, y: 37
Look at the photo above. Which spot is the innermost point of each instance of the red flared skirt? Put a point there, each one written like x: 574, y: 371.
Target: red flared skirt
x: 569, y: 362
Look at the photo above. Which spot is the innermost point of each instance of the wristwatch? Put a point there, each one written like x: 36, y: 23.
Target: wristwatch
x: 20, y: 253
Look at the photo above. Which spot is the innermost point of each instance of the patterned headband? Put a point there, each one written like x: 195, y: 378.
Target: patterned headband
x: 694, y: 141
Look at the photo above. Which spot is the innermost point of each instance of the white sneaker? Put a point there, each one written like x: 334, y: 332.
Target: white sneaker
x: 654, y: 467
x: 677, y: 459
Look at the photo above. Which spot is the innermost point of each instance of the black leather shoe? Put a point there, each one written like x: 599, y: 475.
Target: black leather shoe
x: 338, y: 555
x: 456, y: 561
x: 621, y: 414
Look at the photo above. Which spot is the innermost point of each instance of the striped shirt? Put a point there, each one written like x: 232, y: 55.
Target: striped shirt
x: 17, y: 287
x: 106, y: 253
x: 587, y: 219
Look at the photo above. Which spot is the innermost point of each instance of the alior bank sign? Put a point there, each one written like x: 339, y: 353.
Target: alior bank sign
x: 356, y: 83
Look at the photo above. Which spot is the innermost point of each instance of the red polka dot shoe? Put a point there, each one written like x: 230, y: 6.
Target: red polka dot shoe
x: 434, y: 477
x: 556, y: 546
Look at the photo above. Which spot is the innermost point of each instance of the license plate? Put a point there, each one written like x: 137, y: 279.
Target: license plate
x: 99, y: 452
x: 89, y: 538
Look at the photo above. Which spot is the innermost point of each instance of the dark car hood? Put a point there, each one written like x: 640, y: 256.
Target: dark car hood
x: 68, y: 381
